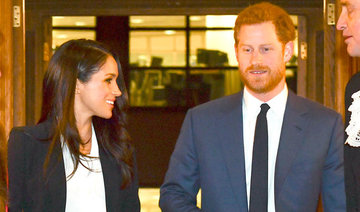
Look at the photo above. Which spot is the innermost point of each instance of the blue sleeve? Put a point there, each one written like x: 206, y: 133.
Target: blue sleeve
x: 333, y: 189
x: 181, y: 186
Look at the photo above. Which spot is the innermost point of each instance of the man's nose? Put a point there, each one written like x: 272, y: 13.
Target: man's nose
x: 341, y: 23
x: 256, y: 58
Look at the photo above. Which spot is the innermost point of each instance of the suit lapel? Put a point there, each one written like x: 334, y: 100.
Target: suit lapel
x: 291, y: 139
x: 233, y: 148
x: 57, y: 181
x: 111, y: 178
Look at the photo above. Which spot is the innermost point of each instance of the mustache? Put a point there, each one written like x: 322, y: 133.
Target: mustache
x: 258, y: 67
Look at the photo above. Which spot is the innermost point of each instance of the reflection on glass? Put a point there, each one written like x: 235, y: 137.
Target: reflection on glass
x: 213, y: 21
x: 157, y: 21
x: 157, y: 48
x: 73, y: 21
x: 160, y: 88
x: 157, y: 87
x: 61, y: 36
x: 212, y: 84
x: 212, y: 48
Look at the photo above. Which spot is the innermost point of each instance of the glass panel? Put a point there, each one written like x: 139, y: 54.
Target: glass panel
x: 212, y: 48
x: 213, y: 21
x: 209, y: 21
x: 207, y: 85
x: 157, y: 21
x: 157, y: 48
x: 73, y: 21
x: 157, y: 88
x: 61, y: 36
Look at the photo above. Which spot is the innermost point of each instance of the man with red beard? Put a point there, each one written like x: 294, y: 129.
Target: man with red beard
x: 349, y: 24
x: 263, y: 149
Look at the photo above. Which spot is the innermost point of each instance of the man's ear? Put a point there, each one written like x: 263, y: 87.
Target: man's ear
x: 236, y: 52
x: 288, y: 51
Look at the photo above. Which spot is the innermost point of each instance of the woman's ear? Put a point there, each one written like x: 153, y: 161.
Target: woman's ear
x: 77, y: 88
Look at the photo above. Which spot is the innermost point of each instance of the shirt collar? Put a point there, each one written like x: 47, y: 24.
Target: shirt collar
x: 277, y: 104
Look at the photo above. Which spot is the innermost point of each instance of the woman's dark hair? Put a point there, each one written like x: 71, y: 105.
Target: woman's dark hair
x: 80, y: 59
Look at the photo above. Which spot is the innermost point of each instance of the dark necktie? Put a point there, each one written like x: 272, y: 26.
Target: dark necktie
x: 259, y: 170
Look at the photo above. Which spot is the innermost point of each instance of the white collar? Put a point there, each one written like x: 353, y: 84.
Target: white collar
x: 277, y: 104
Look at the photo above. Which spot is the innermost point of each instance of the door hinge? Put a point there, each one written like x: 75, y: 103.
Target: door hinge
x: 17, y: 16
x: 331, y: 14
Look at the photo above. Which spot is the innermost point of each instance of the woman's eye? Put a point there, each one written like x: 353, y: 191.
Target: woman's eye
x: 108, y: 80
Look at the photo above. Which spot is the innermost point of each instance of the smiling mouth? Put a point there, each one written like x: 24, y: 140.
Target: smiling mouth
x: 110, y: 102
x: 258, y: 72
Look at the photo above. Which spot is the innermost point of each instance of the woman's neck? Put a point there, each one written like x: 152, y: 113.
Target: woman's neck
x: 85, y: 132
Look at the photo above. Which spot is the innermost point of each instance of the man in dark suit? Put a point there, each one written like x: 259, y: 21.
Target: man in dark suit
x: 349, y: 23
x: 218, y: 147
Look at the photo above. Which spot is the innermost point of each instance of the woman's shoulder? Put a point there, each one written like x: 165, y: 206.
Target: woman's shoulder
x: 38, y: 132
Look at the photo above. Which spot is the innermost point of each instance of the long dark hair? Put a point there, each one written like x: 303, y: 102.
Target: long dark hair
x: 80, y: 59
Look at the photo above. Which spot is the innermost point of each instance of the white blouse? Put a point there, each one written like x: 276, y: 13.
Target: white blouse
x: 85, y: 190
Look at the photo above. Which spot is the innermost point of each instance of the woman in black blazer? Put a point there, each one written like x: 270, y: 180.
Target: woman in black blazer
x: 78, y: 157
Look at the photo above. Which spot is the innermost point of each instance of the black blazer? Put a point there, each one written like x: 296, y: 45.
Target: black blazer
x: 29, y: 190
x: 351, y: 154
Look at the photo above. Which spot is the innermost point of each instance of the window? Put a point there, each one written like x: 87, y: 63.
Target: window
x: 183, y: 61
x: 174, y: 61
x: 72, y: 27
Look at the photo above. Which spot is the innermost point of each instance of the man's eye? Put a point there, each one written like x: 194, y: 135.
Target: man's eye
x: 265, y: 49
x: 247, y: 50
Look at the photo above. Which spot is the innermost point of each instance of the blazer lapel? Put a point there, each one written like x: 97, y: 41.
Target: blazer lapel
x: 111, y: 179
x: 291, y: 139
x: 56, y: 185
x: 233, y: 148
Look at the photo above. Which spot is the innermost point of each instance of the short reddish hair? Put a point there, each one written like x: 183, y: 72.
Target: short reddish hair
x: 265, y: 12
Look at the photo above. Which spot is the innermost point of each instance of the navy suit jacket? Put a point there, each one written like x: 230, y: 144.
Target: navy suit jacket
x: 209, y: 154
x: 30, y: 191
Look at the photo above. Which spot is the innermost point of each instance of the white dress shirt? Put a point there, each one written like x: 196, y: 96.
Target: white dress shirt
x: 275, y: 115
x: 85, y: 190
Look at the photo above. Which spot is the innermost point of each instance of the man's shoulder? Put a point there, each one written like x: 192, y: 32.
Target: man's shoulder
x: 221, y: 104
x: 312, y: 107
x: 353, y: 84
x: 355, y: 78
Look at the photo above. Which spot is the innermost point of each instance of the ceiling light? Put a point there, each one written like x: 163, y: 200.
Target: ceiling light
x: 80, y: 23
x: 62, y: 36
x: 137, y: 21
x: 169, y: 32
x: 195, y: 18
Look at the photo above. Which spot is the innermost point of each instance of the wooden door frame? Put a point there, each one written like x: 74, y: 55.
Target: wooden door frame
x: 6, y: 65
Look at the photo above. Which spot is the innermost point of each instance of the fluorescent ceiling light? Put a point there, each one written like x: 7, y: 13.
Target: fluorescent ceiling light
x: 195, y: 18
x: 137, y: 21
x: 169, y: 32
x: 80, y: 23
